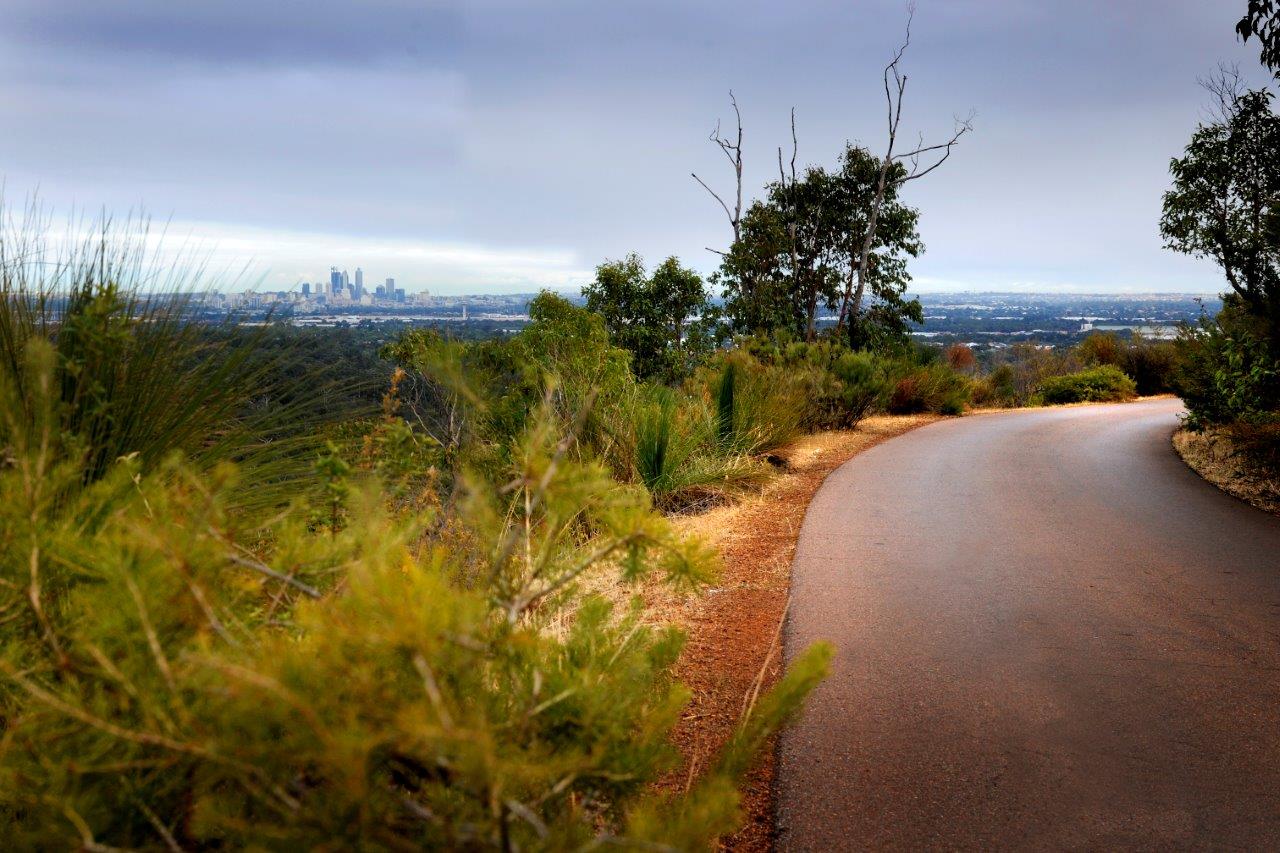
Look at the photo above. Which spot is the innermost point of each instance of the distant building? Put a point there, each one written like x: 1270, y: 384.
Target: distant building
x: 345, y: 281
x: 359, y: 285
x: 306, y: 288
x: 335, y: 281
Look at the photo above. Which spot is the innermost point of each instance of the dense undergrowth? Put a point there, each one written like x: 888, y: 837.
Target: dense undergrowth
x: 239, y: 607
x: 208, y: 644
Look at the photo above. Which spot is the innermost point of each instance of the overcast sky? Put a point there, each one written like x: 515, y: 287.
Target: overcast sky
x: 503, y: 145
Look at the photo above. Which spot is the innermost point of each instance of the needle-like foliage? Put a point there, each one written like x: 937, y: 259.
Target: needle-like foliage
x: 178, y: 674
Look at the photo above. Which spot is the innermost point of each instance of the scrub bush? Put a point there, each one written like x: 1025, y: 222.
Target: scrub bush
x: 1104, y: 384
x: 395, y: 655
x: 930, y: 388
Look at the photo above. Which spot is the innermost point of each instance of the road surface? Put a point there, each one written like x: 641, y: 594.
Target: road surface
x: 1050, y: 634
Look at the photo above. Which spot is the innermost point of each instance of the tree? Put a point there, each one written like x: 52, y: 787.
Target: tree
x: 1262, y: 20
x: 893, y: 173
x: 804, y: 240
x: 661, y: 319
x: 1225, y: 201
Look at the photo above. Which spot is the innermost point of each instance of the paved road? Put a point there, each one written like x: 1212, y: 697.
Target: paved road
x: 1051, y: 635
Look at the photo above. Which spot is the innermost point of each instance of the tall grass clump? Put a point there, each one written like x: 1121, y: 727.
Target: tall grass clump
x: 759, y: 407
x: 660, y: 451
x: 679, y: 457
x: 726, y: 406
x: 137, y: 371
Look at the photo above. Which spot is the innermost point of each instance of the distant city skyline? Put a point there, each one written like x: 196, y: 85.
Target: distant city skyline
x: 492, y: 146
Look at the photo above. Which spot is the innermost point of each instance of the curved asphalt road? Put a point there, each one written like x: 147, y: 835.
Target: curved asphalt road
x: 1051, y: 634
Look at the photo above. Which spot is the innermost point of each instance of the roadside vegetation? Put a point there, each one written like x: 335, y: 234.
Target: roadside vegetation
x: 241, y: 603
x: 1224, y: 205
x: 257, y: 593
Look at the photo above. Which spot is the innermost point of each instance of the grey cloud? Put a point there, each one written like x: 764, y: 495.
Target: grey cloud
x: 231, y: 33
x: 573, y: 126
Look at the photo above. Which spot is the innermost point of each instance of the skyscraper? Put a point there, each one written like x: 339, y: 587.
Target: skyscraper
x: 335, y: 281
x: 359, y: 282
x: 345, y: 281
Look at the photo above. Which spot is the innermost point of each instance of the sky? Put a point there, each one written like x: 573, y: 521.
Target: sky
x: 508, y: 145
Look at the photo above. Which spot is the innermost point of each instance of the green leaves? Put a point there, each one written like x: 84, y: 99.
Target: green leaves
x: 1225, y: 197
x: 664, y: 320
x: 799, y: 251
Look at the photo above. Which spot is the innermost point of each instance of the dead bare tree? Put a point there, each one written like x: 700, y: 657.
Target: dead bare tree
x: 732, y: 149
x: 895, y: 87
x: 788, y: 187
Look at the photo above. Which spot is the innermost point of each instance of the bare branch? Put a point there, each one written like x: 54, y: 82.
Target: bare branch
x: 732, y: 149
x: 963, y: 126
x: 714, y: 195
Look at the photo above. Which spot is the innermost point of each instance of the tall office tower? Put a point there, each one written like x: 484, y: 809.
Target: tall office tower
x: 335, y: 281
x: 306, y: 288
x: 390, y: 286
x: 346, y: 280
x: 359, y: 282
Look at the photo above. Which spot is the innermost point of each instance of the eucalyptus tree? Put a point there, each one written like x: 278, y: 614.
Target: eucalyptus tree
x: 897, y: 167
x: 1225, y: 200
x: 801, y: 247
x: 662, y: 318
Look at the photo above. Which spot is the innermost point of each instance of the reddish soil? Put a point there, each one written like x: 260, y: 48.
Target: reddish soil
x: 733, y: 630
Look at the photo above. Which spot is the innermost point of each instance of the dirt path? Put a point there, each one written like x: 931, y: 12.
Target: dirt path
x: 1051, y: 634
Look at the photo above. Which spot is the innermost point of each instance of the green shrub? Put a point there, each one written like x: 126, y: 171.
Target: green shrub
x: 934, y: 387
x: 997, y: 388
x: 759, y: 407
x: 1226, y: 372
x: 1101, y: 348
x: 837, y: 386
x: 1096, y: 385
x: 177, y: 674
x: 864, y: 384
x: 1151, y: 366
x: 678, y: 458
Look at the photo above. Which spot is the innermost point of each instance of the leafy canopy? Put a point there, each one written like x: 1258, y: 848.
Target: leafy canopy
x: 1262, y: 20
x: 1225, y: 202
x: 664, y: 320
x: 800, y: 244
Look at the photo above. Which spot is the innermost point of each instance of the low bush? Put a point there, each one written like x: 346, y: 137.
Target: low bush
x: 1151, y: 366
x: 760, y: 407
x: 961, y: 358
x: 1096, y: 385
x: 838, y: 387
x: 176, y: 674
x: 931, y: 388
x: 996, y: 389
x: 864, y: 384
x: 677, y: 454
x: 1226, y: 372
x: 1101, y: 348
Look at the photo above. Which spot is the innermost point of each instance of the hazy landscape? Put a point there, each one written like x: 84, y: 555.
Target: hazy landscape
x: 820, y: 427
